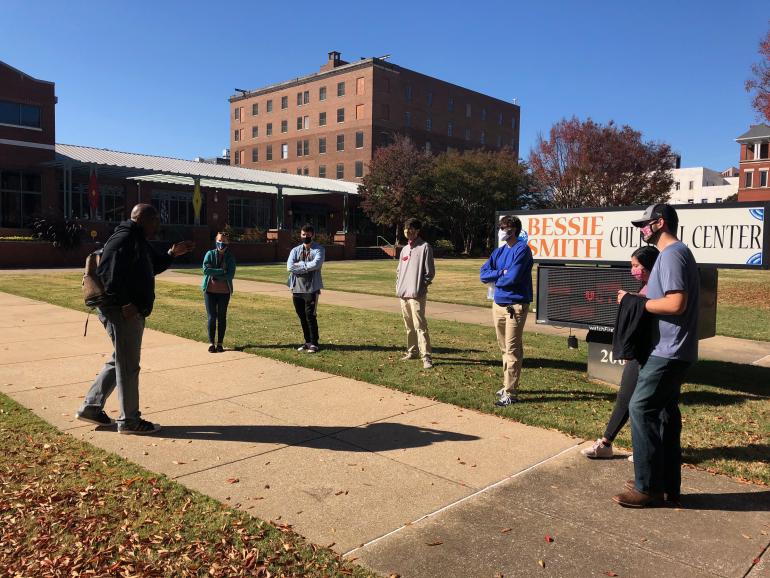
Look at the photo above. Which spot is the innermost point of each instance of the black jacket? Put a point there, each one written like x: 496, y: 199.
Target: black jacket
x: 128, y: 267
x: 632, y: 337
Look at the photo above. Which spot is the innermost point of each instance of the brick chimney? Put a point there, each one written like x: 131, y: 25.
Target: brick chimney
x: 333, y: 61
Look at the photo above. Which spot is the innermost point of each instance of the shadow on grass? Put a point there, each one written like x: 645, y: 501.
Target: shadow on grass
x: 529, y: 363
x: 728, y: 502
x: 747, y: 453
x: 373, y: 437
x: 713, y: 398
x: 731, y: 376
x: 348, y: 347
x: 548, y: 395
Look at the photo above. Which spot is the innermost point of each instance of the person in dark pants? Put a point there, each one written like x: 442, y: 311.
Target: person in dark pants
x: 304, y: 266
x: 642, y: 262
x: 656, y: 424
x: 127, y: 270
x: 218, y: 273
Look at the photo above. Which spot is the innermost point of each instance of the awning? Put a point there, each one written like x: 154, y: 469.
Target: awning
x: 223, y: 185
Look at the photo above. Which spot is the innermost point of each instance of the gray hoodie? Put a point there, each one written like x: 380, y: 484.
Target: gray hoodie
x: 415, y: 270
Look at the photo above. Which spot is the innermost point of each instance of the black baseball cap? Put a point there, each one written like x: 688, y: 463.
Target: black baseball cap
x: 653, y: 212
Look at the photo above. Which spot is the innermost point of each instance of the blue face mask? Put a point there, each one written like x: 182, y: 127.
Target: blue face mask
x: 221, y: 246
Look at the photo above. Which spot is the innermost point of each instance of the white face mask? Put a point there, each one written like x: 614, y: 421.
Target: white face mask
x: 503, y: 235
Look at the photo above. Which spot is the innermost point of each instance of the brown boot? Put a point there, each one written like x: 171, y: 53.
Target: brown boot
x: 637, y: 499
x: 673, y: 500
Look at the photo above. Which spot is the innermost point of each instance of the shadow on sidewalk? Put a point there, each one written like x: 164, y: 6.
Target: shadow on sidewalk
x: 373, y: 437
x: 728, y: 502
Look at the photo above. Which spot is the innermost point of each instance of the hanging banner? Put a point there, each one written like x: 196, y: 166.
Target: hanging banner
x: 726, y: 235
x: 93, y: 194
x: 197, y: 202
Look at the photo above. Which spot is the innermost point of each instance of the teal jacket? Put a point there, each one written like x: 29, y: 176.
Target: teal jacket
x: 210, y: 268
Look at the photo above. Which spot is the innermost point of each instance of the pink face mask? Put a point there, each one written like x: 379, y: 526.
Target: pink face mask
x: 637, y: 274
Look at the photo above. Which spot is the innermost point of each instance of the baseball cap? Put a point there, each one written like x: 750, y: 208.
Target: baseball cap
x: 660, y: 210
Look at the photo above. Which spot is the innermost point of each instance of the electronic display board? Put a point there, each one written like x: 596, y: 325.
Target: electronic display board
x: 584, y: 297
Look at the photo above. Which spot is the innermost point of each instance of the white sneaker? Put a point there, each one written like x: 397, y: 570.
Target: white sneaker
x: 597, y: 451
x: 302, y: 347
x: 427, y: 362
x: 631, y: 458
x: 500, y: 392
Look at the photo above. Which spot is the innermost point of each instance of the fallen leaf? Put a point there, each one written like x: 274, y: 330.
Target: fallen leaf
x: 233, y: 480
x: 610, y: 573
x: 436, y: 543
x: 548, y: 538
x: 542, y: 564
x: 178, y: 463
x: 505, y: 530
x: 745, y: 536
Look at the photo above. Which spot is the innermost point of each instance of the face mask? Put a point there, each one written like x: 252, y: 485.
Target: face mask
x: 221, y: 246
x: 637, y: 274
x: 307, y: 239
x: 503, y: 235
x: 650, y: 235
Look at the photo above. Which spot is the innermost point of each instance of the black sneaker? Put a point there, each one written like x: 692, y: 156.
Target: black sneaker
x: 220, y: 349
x: 212, y: 348
x: 141, y: 427
x: 94, y: 417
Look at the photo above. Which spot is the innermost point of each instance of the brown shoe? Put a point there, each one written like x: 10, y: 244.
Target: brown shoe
x: 673, y: 500
x: 630, y: 485
x: 636, y: 499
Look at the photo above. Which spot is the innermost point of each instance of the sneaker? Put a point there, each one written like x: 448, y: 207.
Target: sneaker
x: 427, y: 362
x: 598, y: 451
x: 631, y: 458
x: 311, y: 348
x: 220, y: 349
x: 212, y: 348
x: 407, y: 357
x: 302, y: 347
x: 141, y: 427
x: 500, y: 392
x: 505, y: 400
x: 94, y: 417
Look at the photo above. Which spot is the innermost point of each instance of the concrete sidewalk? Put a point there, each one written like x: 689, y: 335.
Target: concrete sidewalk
x: 402, y: 483
x: 719, y: 348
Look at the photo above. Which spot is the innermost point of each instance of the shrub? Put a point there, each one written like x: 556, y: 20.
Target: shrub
x: 64, y: 234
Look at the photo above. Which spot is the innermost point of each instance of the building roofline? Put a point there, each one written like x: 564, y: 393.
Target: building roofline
x: 27, y: 75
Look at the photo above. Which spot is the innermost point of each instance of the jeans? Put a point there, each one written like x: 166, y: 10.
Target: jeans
x: 305, y: 304
x: 216, y: 309
x: 656, y: 426
x: 619, y: 415
x: 122, y: 369
x: 417, y: 336
x: 509, y: 338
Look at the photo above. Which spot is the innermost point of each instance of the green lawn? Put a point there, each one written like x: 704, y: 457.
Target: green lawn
x: 743, y: 299
x: 70, y: 509
x: 726, y: 406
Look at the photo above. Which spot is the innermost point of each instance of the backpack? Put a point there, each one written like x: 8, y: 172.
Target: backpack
x: 93, y: 288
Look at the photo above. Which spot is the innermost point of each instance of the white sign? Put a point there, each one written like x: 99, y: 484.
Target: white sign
x: 716, y: 235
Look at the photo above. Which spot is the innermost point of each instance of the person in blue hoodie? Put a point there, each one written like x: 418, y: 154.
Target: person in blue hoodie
x: 509, y: 268
x: 304, y: 266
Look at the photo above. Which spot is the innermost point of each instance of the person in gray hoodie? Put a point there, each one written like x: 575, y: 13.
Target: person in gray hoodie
x: 415, y: 272
x: 304, y: 266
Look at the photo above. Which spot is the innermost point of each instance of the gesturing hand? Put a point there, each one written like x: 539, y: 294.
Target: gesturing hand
x: 181, y: 248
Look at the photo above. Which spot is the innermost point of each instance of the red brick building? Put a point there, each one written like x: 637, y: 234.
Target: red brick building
x: 754, y: 182
x: 329, y: 123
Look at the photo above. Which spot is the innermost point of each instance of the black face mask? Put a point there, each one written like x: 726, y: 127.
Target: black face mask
x: 307, y: 240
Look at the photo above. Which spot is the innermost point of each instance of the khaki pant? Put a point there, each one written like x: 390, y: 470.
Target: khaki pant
x: 417, y: 336
x: 509, y: 338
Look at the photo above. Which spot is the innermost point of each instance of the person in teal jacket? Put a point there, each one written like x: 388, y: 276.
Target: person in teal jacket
x: 218, y: 273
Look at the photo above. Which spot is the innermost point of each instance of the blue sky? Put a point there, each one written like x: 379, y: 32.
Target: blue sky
x: 154, y: 77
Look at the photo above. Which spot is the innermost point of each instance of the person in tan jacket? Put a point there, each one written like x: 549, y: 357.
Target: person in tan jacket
x: 415, y: 272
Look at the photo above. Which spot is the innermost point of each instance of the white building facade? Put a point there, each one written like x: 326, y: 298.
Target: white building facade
x: 701, y: 185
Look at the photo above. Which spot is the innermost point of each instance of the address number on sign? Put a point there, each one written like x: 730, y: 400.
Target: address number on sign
x: 608, y: 358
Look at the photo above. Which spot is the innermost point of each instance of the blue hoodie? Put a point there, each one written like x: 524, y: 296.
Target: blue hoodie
x: 515, y: 286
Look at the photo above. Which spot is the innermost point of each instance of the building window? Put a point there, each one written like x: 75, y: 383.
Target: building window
x: 321, y: 119
x: 111, y: 200
x: 467, y: 134
x: 299, y: 103
x: 513, y: 123
x: 269, y: 153
x: 299, y: 149
x: 299, y: 170
x: 269, y: 106
x: 429, y: 98
x: 719, y: 199
x: 305, y: 147
x: 340, y: 89
x: 691, y: 201
x: 248, y: 213
x: 306, y: 97
x: 408, y: 93
x: 748, y: 178
x: 677, y: 186
x: 322, y: 145
x: 322, y: 93
x: 340, y: 142
x: 484, y: 113
x: 451, y: 104
x: 429, y: 124
x: 284, y: 171
x: 176, y: 207
x: 428, y: 147
x: 254, y: 131
x: 21, y: 198
x: 360, y: 139
x: 237, y: 113
x: 299, y: 123
x: 340, y: 171
x: 385, y: 111
x: 360, y: 86
x: 255, y: 155
x: 450, y: 129
x: 500, y: 119
x: 483, y: 137
x: 359, y: 111
x: 18, y: 114
x: 306, y: 122
x: 284, y: 126
x: 340, y: 115
x: 269, y: 129
x: 322, y: 171
x: 284, y: 151
x: 762, y: 178
x: 691, y: 185
x: 284, y: 102
x: 467, y: 110
x: 763, y: 150
x: 305, y: 171
x: 359, y: 169
x: 237, y: 134
x: 255, y: 109
x: 407, y: 118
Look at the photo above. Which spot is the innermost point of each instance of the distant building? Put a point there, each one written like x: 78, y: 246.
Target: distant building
x: 328, y: 124
x: 701, y: 185
x: 754, y: 184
